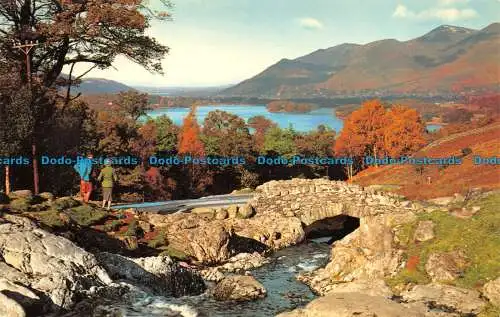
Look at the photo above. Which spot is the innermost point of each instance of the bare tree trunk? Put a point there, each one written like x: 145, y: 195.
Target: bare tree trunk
x: 35, y: 170
x: 7, y: 179
x: 375, y: 155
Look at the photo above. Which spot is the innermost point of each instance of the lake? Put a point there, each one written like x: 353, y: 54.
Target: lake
x: 299, y: 121
x: 302, y: 122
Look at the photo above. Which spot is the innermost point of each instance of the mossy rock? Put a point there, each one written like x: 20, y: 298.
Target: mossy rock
x: 4, y: 199
x: 51, y: 218
x: 46, y: 196
x: 25, y: 193
x: 86, y: 215
x: 64, y: 203
x: 20, y: 204
x: 175, y: 254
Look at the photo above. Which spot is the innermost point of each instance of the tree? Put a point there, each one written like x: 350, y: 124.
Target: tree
x: 405, y: 131
x: 85, y: 31
x: 261, y: 125
x: 189, y: 136
x: 350, y: 144
x: 166, y: 134
x: 280, y: 141
x: 226, y: 134
x: 316, y: 143
x: 365, y: 127
x: 133, y: 103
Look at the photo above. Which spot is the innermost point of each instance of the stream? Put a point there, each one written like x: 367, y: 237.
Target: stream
x: 284, y: 292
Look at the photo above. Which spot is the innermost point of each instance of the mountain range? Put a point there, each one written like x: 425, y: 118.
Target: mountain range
x: 448, y: 59
x: 99, y: 86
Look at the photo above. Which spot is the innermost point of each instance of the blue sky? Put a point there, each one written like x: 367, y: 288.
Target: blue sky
x: 216, y: 42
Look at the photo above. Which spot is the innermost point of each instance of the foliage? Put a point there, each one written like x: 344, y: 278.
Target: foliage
x: 166, y: 134
x: 457, y: 116
x: 86, y: 215
x: 405, y: 132
x: 260, y: 125
x: 133, y: 103
x: 288, y: 106
x: 189, y: 137
x: 174, y: 253
x: 280, y: 141
x: 158, y: 241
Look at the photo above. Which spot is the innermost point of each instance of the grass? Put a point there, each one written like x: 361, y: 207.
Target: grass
x: 174, y: 253
x: 50, y: 218
x: 112, y: 226
x: 85, y: 215
x: 158, y: 241
x: 489, y: 311
x: 478, y: 237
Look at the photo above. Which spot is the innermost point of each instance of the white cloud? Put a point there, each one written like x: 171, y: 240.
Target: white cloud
x: 310, y: 23
x: 444, y: 14
x: 446, y: 3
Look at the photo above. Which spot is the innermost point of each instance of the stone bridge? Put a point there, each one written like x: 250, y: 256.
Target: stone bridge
x: 318, y: 199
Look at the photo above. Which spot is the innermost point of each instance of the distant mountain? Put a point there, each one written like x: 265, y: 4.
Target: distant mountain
x: 448, y: 59
x: 92, y: 86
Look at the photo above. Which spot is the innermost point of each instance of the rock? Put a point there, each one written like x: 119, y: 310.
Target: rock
x: 57, y: 267
x: 212, y: 274
x: 442, y: 201
x: 205, y: 212
x: 245, y: 211
x: 232, y: 211
x: 30, y: 302
x: 424, y: 231
x: 238, y: 288
x: 46, y: 196
x: 446, y: 266
x: 20, y: 204
x: 25, y: 193
x: 145, y: 226
x: 491, y: 291
x: 221, y: 214
x: 353, y: 304
x: 461, y: 300
x: 160, y: 273
x: 458, y: 198
x: 63, y: 203
x: 376, y: 287
x: 244, y: 261
x: 10, y: 308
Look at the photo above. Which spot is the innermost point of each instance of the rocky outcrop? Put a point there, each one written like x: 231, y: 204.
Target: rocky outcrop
x: 49, y: 264
x: 446, y: 266
x: 237, y: 264
x: 238, y: 288
x: 449, y: 298
x: 491, y: 291
x: 159, y: 273
x: 353, y: 304
x: 424, y: 231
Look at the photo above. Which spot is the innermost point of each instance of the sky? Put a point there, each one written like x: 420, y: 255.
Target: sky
x: 221, y: 42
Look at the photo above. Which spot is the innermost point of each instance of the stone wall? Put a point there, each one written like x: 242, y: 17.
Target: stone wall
x: 311, y: 200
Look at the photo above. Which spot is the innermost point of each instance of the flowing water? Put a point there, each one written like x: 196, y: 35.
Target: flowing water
x: 284, y: 292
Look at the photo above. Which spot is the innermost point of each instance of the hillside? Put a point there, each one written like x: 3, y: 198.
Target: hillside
x: 445, y: 60
x: 94, y: 86
x: 409, y: 181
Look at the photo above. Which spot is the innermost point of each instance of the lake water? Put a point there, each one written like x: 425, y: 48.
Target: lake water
x: 300, y: 121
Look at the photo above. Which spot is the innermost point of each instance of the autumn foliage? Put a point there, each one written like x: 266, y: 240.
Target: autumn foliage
x: 374, y: 131
x: 189, y: 137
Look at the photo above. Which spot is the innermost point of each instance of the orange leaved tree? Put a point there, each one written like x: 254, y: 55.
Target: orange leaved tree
x: 404, y: 133
x: 189, y: 137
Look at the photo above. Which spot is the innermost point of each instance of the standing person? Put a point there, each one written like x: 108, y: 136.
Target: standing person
x: 108, y: 177
x: 83, y: 167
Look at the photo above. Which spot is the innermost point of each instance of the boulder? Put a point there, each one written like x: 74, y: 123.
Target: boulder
x: 160, y: 273
x: 212, y: 274
x: 244, y: 262
x: 30, y: 302
x: 464, y: 301
x: 424, y: 231
x: 442, y: 201
x: 238, y: 288
x: 56, y: 266
x: 10, y: 308
x: 205, y: 212
x: 221, y: 214
x: 491, y: 291
x: 20, y: 204
x: 25, y: 193
x: 353, y: 304
x: 46, y: 196
x: 64, y: 203
x: 245, y: 211
x: 446, y: 266
x: 232, y: 211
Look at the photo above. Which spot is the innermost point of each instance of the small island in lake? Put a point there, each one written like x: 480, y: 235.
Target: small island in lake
x: 289, y: 106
